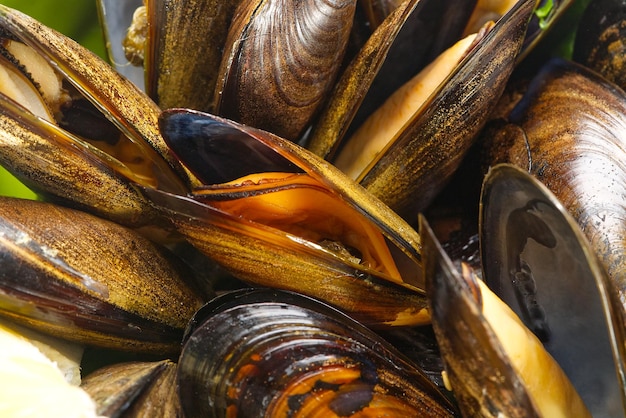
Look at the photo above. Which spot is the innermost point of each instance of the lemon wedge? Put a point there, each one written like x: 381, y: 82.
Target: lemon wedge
x: 31, y: 385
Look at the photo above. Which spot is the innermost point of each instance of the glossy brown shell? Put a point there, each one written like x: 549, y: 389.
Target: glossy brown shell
x: 568, y: 130
x: 85, y: 279
x: 283, y: 354
x: 175, y: 77
x: 280, y: 60
x: 423, y: 157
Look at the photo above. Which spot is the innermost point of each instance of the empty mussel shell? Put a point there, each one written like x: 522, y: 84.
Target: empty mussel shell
x: 580, y: 158
x: 275, y: 353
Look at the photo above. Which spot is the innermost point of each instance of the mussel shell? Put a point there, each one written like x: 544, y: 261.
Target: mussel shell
x: 176, y: 76
x: 61, y: 168
x: 483, y: 379
x: 400, y: 47
x: 210, y: 146
x: 281, y: 353
x: 118, y: 99
x: 580, y: 158
x: 280, y: 60
x: 134, y: 389
x: 431, y: 146
x: 264, y: 256
x: 73, y: 275
x: 601, y: 39
x: 538, y: 261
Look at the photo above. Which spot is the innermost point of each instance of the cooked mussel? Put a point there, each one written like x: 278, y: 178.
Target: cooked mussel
x: 536, y: 258
x: 82, y: 278
x: 412, y: 34
x: 285, y: 218
x: 94, y: 132
x: 580, y: 158
x: 419, y: 159
x: 283, y: 354
x: 495, y: 365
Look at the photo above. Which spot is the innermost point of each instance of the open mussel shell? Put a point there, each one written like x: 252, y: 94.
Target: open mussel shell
x: 60, y: 167
x: 536, y: 258
x: 421, y: 158
x: 283, y: 354
x: 134, y: 389
x: 85, y: 168
x: 212, y: 148
x: 580, y: 158
x: 494, y: 364
x: 70, y: 274
x: 117, y: 98
x: 469, y: 349
x: 410, y: 35
x: 269, y: 255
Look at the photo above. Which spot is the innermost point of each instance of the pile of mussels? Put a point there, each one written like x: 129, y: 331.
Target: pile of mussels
x: 322, y: 208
